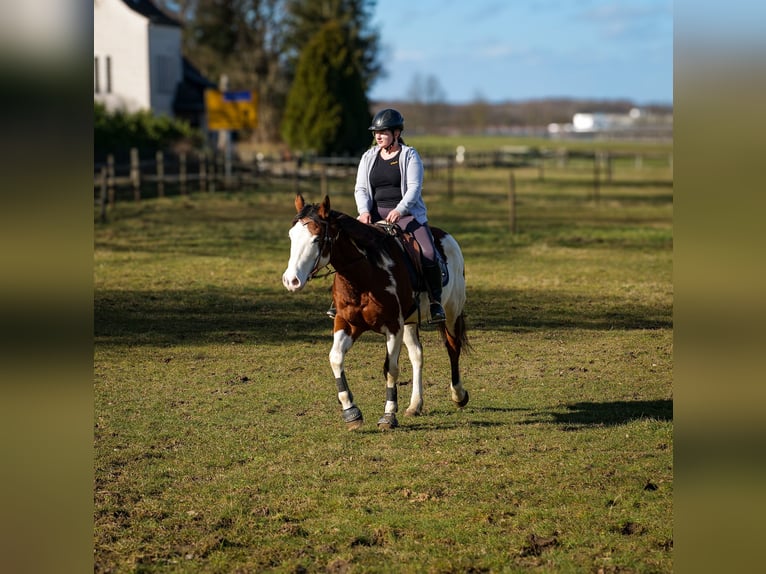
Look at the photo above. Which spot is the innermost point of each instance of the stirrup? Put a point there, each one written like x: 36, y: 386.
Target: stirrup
x: 437, y: 313
x: 331, y: 311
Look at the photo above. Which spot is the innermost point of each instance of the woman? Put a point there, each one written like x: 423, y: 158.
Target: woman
x: 389, y: 186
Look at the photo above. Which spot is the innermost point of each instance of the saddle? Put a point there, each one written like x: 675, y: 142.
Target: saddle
x: 413, y: 255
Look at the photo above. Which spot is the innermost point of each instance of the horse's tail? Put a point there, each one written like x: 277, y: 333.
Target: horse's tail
x: 458, y: 339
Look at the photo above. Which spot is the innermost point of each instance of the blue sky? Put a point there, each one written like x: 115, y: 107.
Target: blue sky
x: 503, y: 50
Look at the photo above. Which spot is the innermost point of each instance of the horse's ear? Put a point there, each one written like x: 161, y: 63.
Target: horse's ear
x: 324, y: 209
x: 299, y: 202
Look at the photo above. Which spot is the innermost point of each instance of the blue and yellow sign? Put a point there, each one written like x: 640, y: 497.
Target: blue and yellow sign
x: 231, y: 110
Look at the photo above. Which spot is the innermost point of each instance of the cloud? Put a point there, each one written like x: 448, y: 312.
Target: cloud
x: 409, y: 55
x: 497, y: 51
x: 618, y: 20
x: 480, y: 12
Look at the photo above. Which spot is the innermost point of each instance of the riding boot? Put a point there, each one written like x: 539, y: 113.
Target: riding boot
x: 433, y: 276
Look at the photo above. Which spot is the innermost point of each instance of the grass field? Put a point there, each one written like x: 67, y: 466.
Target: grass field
x: 219, y: 445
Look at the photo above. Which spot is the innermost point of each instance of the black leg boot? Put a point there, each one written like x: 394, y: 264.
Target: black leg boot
x: 433, y: 275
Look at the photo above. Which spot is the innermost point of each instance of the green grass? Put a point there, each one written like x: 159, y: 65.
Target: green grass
x: 219, y: 445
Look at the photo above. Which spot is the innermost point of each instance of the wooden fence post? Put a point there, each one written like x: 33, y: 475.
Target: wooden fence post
x: 110, y: 178
x: 596, y: 175
x: 202, y: 170
x: 512, y: 203
x: 135, y: 174
x: 103, y: 196
x: 182, y: 172
x: 608, y: 158
x: 323, y: 179
x: 160, y: 174
x: 213, y: 172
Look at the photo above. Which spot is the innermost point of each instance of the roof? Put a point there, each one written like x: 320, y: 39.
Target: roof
x: 152, y: 12
x: 189, y: 98
x: 194, y: 76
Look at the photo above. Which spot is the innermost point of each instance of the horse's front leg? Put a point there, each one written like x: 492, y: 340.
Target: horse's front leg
x: 351, y: 414
x: 391, y: 371
x: 415, y: 351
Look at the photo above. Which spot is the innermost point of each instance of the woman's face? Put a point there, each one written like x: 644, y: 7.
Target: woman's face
x: 384, y: 138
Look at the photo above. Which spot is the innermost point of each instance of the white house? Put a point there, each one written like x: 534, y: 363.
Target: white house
x: 600, y: 121
x: 137, y: 58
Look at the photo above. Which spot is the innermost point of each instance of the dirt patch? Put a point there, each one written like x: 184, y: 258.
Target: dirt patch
x: 536, y: 545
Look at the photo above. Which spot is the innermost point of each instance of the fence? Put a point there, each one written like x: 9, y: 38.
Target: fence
x: 169, y: 173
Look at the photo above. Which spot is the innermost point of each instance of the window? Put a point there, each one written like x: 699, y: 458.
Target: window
x: 108, y: 74
x: 166, y: 77
x: 96, y: 86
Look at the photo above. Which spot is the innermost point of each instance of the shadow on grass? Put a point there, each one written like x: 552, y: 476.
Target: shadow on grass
x: 175, y: 317
x: 503, y: 310
x: 172, y: 317
x: 612, y: 413
x: 428, y: 423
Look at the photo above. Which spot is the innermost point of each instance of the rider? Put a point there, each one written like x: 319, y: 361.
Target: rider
x: 389, y: 185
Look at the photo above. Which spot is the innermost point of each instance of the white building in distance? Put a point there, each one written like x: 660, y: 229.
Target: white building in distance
x: 635, y: 123
x: 137, y: 58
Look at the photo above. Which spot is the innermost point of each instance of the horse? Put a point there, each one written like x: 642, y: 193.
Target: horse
x: 373, y: 290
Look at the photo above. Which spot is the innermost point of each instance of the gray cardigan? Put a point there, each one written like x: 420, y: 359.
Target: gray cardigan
x: 411, y: 168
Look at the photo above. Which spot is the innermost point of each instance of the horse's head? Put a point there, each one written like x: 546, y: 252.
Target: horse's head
x: 310, y: 243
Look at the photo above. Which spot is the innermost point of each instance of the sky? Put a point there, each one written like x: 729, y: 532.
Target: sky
x: 513, y: 50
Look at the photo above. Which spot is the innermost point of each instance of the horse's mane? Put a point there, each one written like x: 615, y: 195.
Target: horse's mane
x: 370, y: 238
x: 365, y: 236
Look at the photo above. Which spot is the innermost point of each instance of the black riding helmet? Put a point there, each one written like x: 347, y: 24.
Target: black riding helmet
x: 388, y: 119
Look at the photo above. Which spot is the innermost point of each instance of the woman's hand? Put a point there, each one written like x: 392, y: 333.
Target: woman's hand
x: 393, y: 216
x: 365, y: 218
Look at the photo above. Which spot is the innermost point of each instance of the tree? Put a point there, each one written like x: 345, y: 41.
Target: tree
x: 327, y: 108
x: 428, y: 98
x: 243, y: 39
x: 478, y: 112
x: 257, y: 44
x: 306, y: 17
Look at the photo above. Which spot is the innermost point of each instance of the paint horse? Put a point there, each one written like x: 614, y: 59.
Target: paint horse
x: 373, y: 291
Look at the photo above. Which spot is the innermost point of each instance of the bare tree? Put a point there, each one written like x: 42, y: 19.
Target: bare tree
x: 427, y: 98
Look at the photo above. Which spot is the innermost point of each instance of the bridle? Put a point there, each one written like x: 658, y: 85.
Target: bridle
x: 325, y: 243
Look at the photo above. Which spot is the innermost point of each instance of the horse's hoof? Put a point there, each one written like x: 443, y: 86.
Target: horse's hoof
x: 462, y: 403
x: 388, y: 422
x: 412, y: 413
x: 353, y: 418
x: 354, y: 425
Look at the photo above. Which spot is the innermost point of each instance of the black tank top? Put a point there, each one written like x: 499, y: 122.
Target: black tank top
x: 386, y: 181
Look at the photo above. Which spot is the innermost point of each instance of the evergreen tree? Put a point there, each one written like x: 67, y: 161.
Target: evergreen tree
x: 327, y: 108
x: 306, y: 17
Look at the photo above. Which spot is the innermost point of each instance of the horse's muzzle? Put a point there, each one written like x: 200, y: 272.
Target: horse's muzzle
x: 292, y: 282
